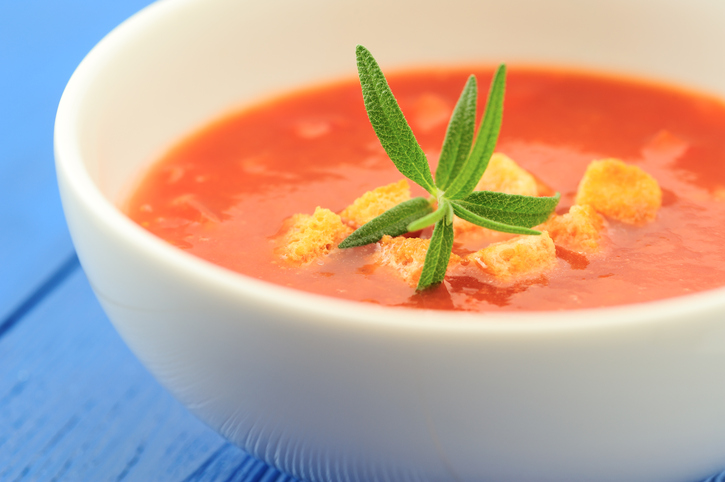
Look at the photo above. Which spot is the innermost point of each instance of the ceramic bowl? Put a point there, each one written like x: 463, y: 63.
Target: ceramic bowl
x: 330, y: 390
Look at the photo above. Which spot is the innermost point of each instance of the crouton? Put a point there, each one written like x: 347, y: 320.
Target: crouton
x: 406, y: 256
x: 501, y: 175
x: 504, y: 175
x: 311, y: 237
x: 578, y: 230
x: 620, y: 191
x: 461, y: 226
x: 376, y: 202
x: 518, y: 258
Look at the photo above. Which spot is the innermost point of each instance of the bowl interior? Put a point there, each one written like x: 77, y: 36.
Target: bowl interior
x: 184, y: 62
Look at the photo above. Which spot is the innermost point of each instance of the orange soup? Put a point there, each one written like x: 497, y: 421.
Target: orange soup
x: 224, y: 193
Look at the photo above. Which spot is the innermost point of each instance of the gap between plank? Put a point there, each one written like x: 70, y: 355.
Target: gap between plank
x: 70, y: 265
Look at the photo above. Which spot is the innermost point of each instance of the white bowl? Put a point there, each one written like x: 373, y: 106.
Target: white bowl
x: 327, y: 389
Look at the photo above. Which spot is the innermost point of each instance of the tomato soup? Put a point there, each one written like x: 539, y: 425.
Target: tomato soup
x: 224, y: 193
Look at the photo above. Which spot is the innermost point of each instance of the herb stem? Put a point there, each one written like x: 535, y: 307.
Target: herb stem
x: 429, y: 219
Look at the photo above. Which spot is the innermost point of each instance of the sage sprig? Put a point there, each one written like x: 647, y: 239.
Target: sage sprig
x: 463, y: 160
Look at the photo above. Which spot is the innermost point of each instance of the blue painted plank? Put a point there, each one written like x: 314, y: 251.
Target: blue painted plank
x: 75, y: 404
x: 41, y: 43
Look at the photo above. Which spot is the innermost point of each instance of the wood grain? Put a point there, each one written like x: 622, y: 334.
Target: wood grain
x: 76, y: 405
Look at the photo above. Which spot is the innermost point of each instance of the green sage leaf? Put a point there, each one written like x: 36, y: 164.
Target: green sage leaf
x: 389, y: 123
x: 509, y: 209
x: 464, y: 213
x: 459, y: 136
x: 470, y: 173
x: 437, y: 256
x: 393, y: 222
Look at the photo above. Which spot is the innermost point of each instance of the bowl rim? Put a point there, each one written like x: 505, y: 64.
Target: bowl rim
x: 69, y: 163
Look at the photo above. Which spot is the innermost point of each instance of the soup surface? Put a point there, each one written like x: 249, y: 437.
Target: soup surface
x: 224, y: 193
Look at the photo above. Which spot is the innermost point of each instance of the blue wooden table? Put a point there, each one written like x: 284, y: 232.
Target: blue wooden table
x: 74, y: 402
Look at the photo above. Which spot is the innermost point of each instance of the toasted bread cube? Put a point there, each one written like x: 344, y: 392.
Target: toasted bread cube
x: 578, y: 230
x: 311, y: 237
x: 461, y: 226
x: 406, y: 256
x: 620, y: 191
x: 518, y: 258
x: 504, y: 175
x: 376, y: 202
